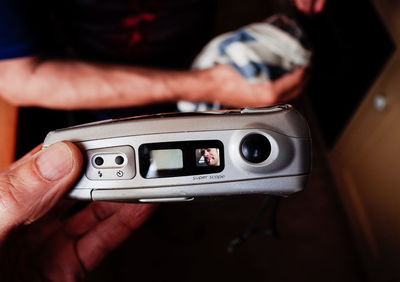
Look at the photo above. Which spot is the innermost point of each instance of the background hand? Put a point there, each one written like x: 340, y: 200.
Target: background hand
x: 309, y: 7
x: 44, y: 238
x: 233, y: 90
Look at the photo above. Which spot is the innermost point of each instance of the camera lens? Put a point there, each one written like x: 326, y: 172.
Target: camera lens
x: 119, y: 160
x: 255, y: 148
x: 99, y: 161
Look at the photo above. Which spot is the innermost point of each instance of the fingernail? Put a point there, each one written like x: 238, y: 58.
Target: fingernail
x: 55, y: 162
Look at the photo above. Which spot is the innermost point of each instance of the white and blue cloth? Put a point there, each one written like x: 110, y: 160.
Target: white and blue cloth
x: 259, y: 52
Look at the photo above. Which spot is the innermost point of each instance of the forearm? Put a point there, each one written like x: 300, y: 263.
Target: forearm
x: 80, y: 85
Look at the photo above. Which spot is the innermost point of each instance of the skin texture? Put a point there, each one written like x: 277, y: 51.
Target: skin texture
x: 211, y: 156
x: 80, y: 85
x: 46, y: 238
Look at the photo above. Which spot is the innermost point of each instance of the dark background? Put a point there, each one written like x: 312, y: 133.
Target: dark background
x: 188, y: 241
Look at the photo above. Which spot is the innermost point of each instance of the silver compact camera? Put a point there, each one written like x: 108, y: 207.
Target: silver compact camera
x: 184, y: 156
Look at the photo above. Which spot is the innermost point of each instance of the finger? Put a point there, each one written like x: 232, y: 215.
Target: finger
x: 302, y: 6
x: 52, y: 221
x: 67, y: 208
x: 31, y: 189
x: 291, y: 95
x: 289, y: 81
x: 27, y: 156
x: 107, y: 235
x: 274, y: 92
x: 319, y: 5
x: 22, y: 160
x: 294, y: 92
x: 88, y: 218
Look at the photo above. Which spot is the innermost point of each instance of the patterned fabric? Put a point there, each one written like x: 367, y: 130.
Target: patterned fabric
x: 259, y: 52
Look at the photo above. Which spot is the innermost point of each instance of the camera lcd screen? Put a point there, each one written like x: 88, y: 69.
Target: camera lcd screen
x: 207, y: 157
x: 166, y: 159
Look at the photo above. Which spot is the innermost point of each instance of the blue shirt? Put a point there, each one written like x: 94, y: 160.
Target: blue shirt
x: 17, y: 29
x: 157, y: 33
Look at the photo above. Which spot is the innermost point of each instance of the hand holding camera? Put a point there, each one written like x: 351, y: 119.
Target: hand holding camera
x: 43, y: 237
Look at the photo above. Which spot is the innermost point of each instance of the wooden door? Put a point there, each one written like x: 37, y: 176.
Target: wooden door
x: 366, y: 164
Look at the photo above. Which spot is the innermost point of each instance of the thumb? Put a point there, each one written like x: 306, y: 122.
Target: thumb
x: 32, y: 188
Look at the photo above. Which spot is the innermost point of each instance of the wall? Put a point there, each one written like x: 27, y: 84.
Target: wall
x: 366, y: 164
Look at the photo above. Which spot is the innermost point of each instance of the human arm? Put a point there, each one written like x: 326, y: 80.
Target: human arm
x: 40, y: 239
x: 83, y: 85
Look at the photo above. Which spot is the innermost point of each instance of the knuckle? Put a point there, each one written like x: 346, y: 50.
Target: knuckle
x: 17, y: 183
x: 273, y: 95
x: 9, y: 197
x: 267, y: 96
x: 273, y: 99
x: 102, y: 212
x: 14, y: 192
x: 133, y: 217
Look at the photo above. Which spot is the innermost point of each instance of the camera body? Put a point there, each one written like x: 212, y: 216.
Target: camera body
x: 181, y: 156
